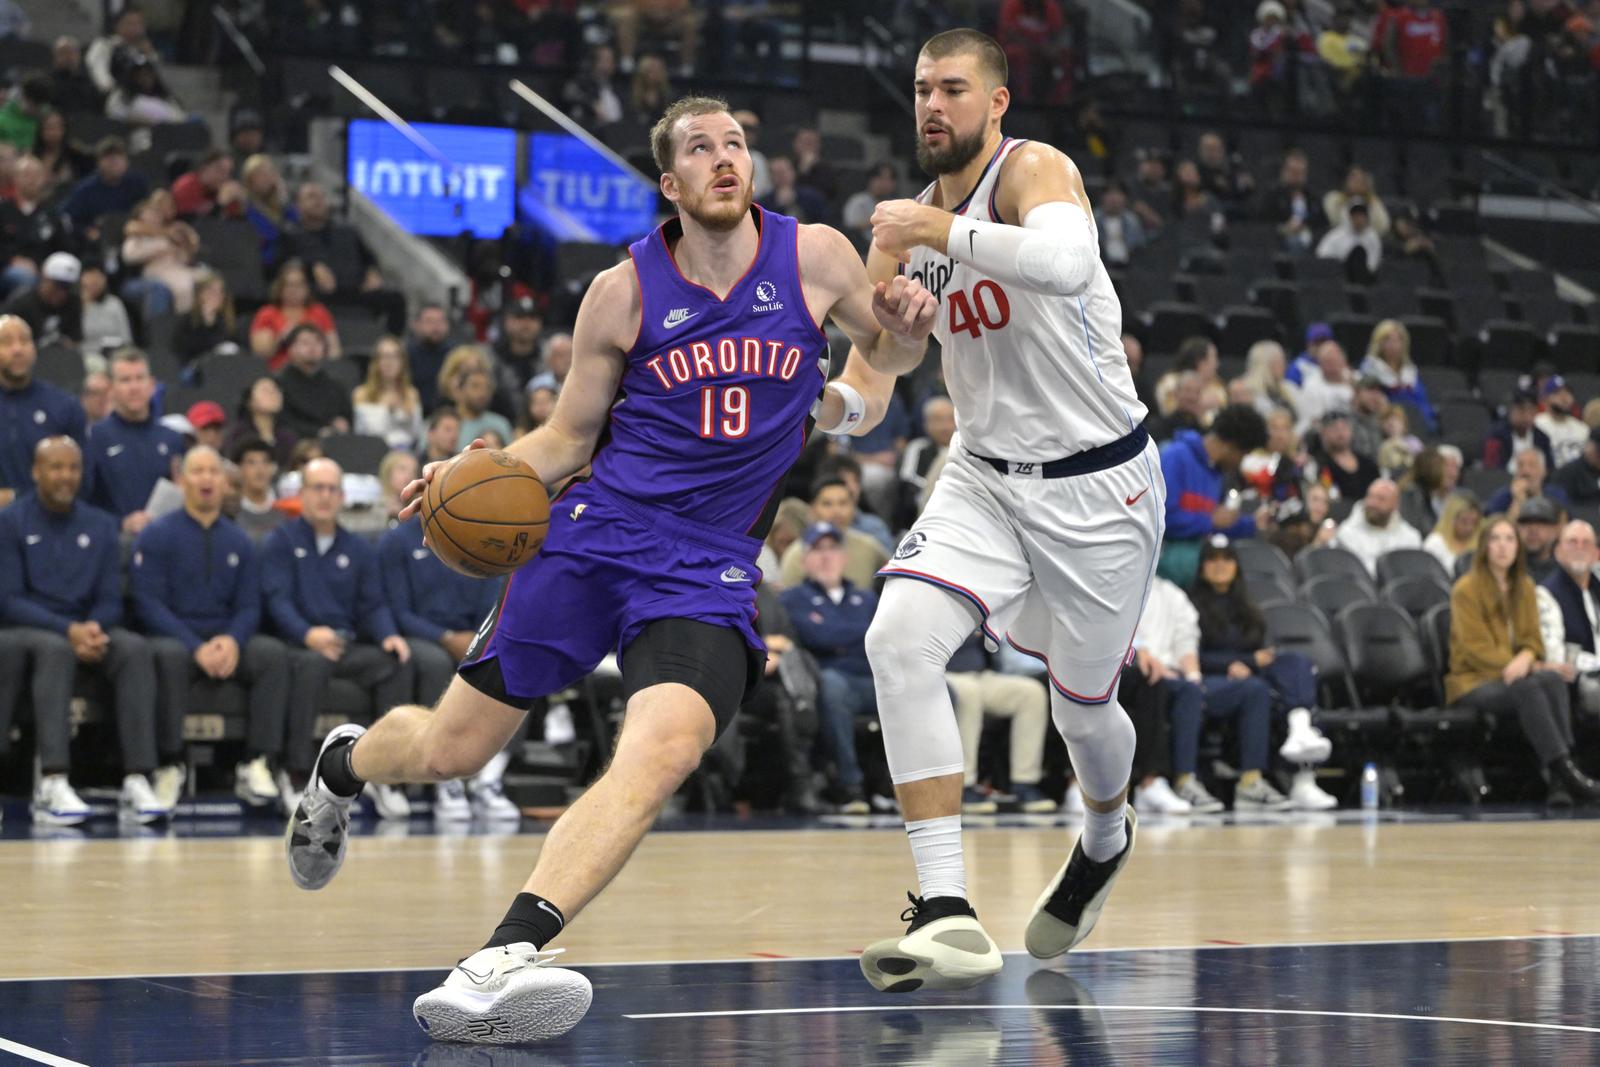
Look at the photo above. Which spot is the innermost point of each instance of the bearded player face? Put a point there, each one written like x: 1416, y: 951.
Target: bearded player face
x: 711, y: 179
x: 955, y: 107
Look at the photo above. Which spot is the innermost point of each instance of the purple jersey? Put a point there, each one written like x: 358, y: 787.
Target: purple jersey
x: 717, y: 394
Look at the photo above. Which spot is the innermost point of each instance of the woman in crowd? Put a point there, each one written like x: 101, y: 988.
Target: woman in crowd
x: 267, y: 204
x: 1357, y: 186
x: 1388, y: 359
x: 64, y: 159
x: 290, y: 305
x: 260, y: 415
x: 1264, y: 370
x: 105, y: 320
x: 539, y: 402
x: 1457, y: 531
x: 1244, y: 677
x: 1497, y: 660
x: 1199, y: 355
x: 387, y: 405
x: 164, y: 249
x: 210, y: 324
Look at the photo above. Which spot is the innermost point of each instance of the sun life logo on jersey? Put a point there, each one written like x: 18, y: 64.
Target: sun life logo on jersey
x: 767, y: 298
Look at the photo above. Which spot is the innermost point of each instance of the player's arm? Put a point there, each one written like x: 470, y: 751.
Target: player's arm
x: 887, y: 323
x: 565, y: 444
x: 1053, y: 251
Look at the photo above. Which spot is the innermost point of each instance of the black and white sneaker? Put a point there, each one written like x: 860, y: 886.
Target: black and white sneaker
x: 1067, y: 909
x: 945, y: 947
x: 505, y: 996
x: 319, y: 829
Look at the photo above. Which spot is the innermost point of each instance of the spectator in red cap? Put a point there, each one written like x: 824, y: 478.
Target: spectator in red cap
x: 208, y: 420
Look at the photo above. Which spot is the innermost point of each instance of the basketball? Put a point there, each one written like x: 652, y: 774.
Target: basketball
x: 485, y: 513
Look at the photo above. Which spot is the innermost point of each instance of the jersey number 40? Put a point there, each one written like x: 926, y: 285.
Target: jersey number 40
x: 988, y: 308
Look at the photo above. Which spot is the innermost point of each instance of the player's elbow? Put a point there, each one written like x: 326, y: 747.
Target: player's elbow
x: 1057, y: 264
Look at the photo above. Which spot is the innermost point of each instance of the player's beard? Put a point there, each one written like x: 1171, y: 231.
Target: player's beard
x: 718, y: 216
x: 957, y: 152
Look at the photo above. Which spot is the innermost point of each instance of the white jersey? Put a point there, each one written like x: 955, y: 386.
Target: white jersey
x: 1032, y: 376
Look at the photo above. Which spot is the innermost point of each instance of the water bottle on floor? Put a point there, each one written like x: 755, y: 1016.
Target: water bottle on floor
x: 1369, y: 787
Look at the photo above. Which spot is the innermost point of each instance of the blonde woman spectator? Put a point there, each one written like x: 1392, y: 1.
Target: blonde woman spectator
x: 1199, y: 356
x: 289, y: 304
x: 788, y: 523
x: 387, y: 405
x: 397, y: 470
x: 164, y: 250
x: 1264, y: 370
x: 1459, y: 527
x: 211, y: 323
x: 461, y: 359
x: 266, y: 203
x: 1388, y: 359
x: 1357, y: 186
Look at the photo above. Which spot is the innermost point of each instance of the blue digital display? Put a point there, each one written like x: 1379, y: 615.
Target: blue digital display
x: 474, y: 191
x: 578, y: 194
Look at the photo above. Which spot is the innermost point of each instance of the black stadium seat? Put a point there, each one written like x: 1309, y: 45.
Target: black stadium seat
x: 1300, y: 628
x: 1242, y: 326
x: 1331, y: 559
x: 1169, y: 323
x: 1386, y: 656
x: 1416, y: 594
x: 1508, y: 344
x: 1575, y: 349
x: 1411, y: 562
x: 1332, y: 593
x: 357, y: 453
x: 230, y: 374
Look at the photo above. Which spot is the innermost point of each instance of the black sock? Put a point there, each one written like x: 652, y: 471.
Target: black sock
x: 335, y: 769
x: 531, y: 918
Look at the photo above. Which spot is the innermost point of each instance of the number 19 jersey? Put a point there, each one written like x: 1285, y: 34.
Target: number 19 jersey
x: 1033, y: 376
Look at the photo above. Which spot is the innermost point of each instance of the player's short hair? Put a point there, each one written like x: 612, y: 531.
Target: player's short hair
x: 991, y: 57
x: 661, y: 146
x: 442, y: 412
x: 249, y: 445
x: 1242, y: 426
x: 130, y: 354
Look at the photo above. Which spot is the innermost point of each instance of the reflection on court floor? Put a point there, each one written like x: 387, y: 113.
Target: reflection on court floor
x: 1502, y: 1001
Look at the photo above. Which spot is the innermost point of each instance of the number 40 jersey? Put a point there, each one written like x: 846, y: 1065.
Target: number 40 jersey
x: 1033, y: 376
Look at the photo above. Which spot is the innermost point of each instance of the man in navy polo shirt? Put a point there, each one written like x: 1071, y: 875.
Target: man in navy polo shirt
x: 439, y: 612
x: 196, y: 586
x: 61, y: 607
x: 324, y: 596
x: 30, y: 410
x: 129, y: 450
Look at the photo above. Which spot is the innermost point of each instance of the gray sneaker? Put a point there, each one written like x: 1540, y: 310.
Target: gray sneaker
x: 1259, y: 797
x: 1201, y: 802
x: 319, y: 829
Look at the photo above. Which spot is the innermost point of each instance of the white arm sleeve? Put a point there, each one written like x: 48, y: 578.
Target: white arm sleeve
x: 1053, y: 251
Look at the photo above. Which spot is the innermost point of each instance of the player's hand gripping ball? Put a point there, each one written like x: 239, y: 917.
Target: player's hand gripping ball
x: 485, y: 513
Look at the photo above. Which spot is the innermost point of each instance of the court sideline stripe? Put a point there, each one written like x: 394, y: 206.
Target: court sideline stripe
x: 28, y: 1052
x: 804, y: 959
x: 855, y: 1009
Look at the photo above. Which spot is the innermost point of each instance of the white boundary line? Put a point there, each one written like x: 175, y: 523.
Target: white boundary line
x: 844, y: 1009
x: 801, y: 959
x: 28, y: 1052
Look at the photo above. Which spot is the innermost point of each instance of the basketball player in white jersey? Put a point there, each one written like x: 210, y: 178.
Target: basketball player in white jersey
x: 1043, y: 528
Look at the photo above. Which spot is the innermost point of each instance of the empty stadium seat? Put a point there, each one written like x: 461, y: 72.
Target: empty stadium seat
x: 1430, y: 338
x: 1169, y: 323
x: 1332, y: 593
x: 357, y: 453
x: 1508, y: 344
x: 1241, y: 326
x: 1416, y: 594
x: 1331, y: 559
x: 1300, y: 628
x: 1353, y: 331
x: 1386, y: 657
x: 1575, y: 349
x: 230, y: 375
x: 1411, y: 562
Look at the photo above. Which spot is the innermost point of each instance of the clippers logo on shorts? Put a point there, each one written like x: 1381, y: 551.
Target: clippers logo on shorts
x: 912, y: 545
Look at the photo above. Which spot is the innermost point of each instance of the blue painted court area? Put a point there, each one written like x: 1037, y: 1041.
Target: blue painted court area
x: 1523, y: 1001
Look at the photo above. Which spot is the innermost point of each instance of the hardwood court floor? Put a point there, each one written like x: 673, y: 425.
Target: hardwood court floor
x: 178, y: 905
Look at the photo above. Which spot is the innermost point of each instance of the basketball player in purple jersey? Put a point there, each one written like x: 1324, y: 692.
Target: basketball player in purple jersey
x: 698, y: 369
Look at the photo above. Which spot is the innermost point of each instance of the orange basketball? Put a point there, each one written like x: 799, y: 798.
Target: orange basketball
x: 485, y: 513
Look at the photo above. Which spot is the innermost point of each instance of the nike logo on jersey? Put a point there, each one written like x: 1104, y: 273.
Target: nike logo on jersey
x: 677, y: 317
x: 1134, y: 499
x: 734, y: 575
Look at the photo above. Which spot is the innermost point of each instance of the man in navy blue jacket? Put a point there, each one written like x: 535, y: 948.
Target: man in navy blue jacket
x: 61, y: 606
x: 129, y: 450
x: 324, y: 596
x: 30, y: 410
x: 831, y: 616
x: 439, y: 611
x: 1193, y: 465
x: 196, y: 587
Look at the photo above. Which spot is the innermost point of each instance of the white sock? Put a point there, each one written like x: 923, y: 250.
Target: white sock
x: 936, y: 849
x: 1105, y: 834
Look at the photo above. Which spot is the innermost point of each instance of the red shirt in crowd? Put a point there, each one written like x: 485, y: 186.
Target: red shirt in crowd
x: 271, y: 317
x: 1419, y: 40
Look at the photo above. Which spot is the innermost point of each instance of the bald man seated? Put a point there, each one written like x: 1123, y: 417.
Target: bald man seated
x: 196, y: 587
x: 61, y: 612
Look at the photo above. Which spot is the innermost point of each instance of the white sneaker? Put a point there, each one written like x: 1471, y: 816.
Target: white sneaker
x: 168, y: 783
x: 253, y: 784
x: 1070, y: 905
x: 1199, y: 798
x: 1305, y: 743
x: 56, y: 803
x: 139, y: 802
x: 390, y: 800
x: 505, y: 996
x: 1073, y: 804
x: 1306, y: 795
x: 487, y: 790
x: 1159, y: 799
x: 945, y: 947
x: 450, y: 802
x: 1259, y: 797
x: 288, y: 795
x: 319, y: 829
